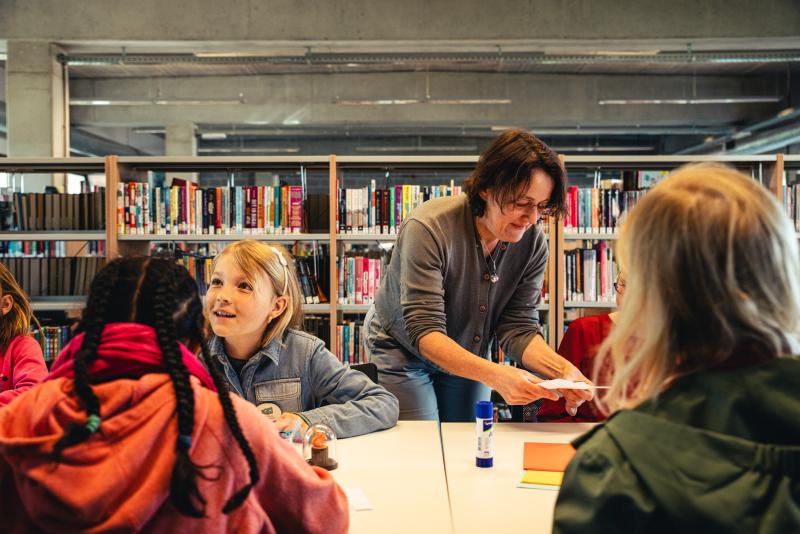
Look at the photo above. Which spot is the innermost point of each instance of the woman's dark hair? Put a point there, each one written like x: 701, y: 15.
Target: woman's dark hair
x: 505, y: 170
x: 161, y: 294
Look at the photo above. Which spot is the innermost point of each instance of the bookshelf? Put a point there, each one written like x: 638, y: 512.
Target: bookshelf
x: 325, y: 174
x: 789, y: 194
x: 359, y: 171
x: 312, y: 173
x: 58, y: 168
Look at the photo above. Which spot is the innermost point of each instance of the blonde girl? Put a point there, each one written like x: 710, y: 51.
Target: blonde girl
x: 254, y: 307
x: 705, y: 427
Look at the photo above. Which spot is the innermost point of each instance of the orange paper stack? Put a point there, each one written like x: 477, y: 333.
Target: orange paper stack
x: 544, y: 464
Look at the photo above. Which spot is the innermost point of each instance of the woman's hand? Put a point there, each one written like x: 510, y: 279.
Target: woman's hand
x: 518, y: 386
x: 573, y: 398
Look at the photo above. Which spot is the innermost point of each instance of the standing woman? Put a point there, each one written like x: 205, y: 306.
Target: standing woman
x: 465, y: 270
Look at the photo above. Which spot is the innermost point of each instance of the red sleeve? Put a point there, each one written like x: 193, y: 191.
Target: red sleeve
x: 27, y: 367
x: 579, y: 346
x: 295, y: 496
x: 572, y: 348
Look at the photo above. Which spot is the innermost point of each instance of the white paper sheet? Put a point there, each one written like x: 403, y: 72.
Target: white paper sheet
x: 560, y: 383
x: 358, y: 499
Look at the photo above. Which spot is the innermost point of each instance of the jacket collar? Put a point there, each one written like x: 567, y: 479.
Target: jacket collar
x: 272, y: 351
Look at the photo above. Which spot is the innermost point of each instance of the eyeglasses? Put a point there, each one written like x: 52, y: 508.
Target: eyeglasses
x: 619, y: 287
x: 541, y: 209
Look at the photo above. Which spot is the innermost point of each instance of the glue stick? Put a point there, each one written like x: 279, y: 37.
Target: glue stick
x: 484, y: 422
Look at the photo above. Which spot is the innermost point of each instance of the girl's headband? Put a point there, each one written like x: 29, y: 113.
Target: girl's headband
x: 285, y: 269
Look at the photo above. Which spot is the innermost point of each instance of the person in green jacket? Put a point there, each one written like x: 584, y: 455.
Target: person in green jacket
x: 705, y: 431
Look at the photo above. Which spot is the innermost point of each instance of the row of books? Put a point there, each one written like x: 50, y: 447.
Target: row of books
x: 59, y: 211
x: 598, y: 210
x: 52, y: 339
x: 590, y: 273
x: 55, y: 276
x: 373, y: 210
x: 46, y: 249
x: 318, y: 326
x: 187, y: 209
x: 791, y: 203
x: 350, y: 343
x: 199, y: 264
x: 359, y: 275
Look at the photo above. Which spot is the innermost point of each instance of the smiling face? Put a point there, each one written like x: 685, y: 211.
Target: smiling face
x: 240, y: 307
x: 510, y: 222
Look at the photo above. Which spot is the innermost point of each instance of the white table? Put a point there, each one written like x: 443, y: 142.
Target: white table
x: 401, y: 471
x: 488, y: 500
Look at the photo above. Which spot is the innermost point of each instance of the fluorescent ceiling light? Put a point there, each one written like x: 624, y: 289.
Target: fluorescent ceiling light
x: 694, y: 100
x: 159, y: 102
x: 150, y: 130
x: 626, y: 52
x: 213, y: 136
x: 638, y: 148
x: 249, y: 150
x: 456, y: 148
x: 383, y: 102
x: 251, y: 53
x: 434, y: 101
x: 471, y: 101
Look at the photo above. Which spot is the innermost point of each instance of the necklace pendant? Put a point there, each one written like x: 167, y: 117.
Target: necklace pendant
x: 494, y: 279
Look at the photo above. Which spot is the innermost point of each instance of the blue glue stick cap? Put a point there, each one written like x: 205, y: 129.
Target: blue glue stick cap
x: 484, y: 410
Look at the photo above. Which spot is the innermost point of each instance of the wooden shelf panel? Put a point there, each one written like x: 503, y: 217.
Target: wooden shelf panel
x: 317, y: 308
x: 203, y: 238
x: 58, y: 235
x: 353, y: 308
x: 584, y: 304
x: 365, y: 238
x: 58, y: 303
x: 589, y: 236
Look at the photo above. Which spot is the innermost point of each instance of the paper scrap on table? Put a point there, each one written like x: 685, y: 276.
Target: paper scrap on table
x: 358, y: 499
x: 546, y: 456
x: 544, y: 478
x: 560, y: 383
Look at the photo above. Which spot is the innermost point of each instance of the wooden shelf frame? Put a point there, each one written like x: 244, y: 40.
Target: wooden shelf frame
x: 767, y: 169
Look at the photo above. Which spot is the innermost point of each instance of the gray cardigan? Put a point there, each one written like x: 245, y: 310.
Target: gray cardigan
x: 438, y: 281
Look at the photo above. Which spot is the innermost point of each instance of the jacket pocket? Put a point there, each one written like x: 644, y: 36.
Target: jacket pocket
x: 284, y: 392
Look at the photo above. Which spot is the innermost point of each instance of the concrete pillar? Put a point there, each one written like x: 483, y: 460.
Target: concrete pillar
x: 37, y: 106
x: 181, y: 141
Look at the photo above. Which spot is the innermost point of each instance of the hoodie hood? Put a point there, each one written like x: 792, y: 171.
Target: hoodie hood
x: 719, y: 448
x: 99, y: 484
x: 705, y: 476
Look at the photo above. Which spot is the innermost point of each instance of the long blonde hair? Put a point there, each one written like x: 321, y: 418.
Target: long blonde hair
x: 256, y: 257
x: 712, y: 267
x: 17, y: 322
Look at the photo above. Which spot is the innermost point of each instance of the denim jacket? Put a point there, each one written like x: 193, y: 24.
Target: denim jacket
x: 299, y: 375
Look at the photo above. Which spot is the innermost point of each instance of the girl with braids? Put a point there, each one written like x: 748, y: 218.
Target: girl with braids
x: 254, y: 306
x: 21, y: 361
x: 130, y: 432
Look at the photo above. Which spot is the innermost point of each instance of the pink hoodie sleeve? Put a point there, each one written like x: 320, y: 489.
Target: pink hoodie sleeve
x: 24, y: 366
x: 295, y: 496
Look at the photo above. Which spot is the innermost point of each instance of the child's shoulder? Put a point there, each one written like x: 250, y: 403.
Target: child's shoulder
x: 21, y: 345
x: 299, y: 336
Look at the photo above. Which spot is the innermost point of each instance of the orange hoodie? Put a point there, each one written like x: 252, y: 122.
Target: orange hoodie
x: 119, y: 479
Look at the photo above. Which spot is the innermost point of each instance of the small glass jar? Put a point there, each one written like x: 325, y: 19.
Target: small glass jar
x: 319, y: 447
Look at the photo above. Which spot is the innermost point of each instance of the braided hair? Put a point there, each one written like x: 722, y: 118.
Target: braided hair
x: 161, y: 294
